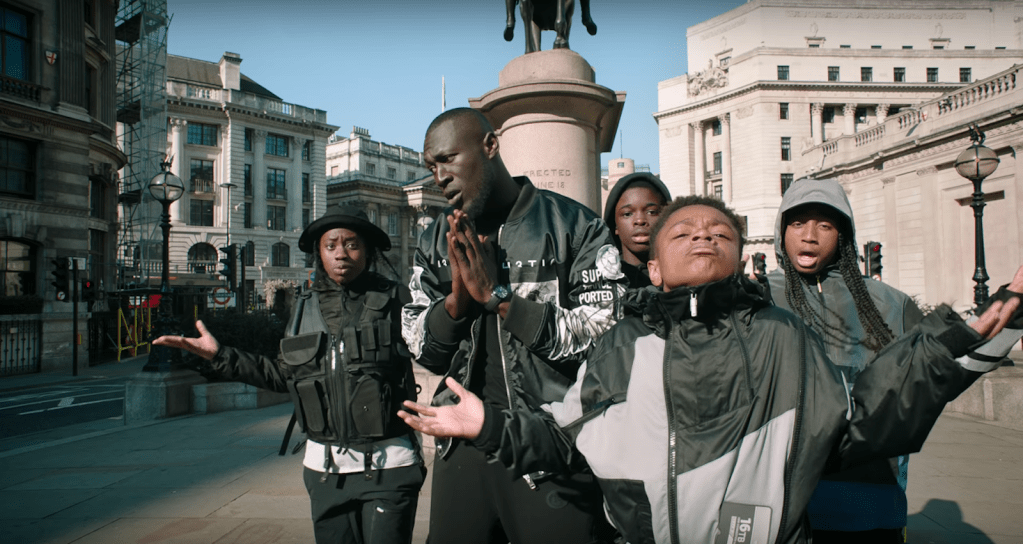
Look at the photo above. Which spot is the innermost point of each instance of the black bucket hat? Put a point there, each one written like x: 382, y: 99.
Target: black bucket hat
x: 348, y: 217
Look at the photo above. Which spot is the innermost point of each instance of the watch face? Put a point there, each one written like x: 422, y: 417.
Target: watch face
x: 501, y: 292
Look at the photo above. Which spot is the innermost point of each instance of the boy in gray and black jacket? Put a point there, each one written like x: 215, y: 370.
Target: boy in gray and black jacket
x: 711, y: 415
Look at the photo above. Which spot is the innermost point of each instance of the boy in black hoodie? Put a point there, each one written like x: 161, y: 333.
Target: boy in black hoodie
x: 632, y: 208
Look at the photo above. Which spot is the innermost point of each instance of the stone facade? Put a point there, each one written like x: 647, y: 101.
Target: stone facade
x: 253, y: 168
x: 907, y: 194
x: 59, y: 162
x: 392, y: 184
x: 773, y: 79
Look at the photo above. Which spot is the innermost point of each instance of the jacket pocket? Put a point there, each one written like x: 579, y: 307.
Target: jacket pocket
x: 370, y: 403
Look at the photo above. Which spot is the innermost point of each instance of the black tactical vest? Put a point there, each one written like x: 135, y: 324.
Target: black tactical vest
x: 347, y: 389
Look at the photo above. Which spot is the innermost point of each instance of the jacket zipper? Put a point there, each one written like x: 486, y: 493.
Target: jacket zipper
x: 672, y: 462
x: 745, y: 355
x: 796, y: 428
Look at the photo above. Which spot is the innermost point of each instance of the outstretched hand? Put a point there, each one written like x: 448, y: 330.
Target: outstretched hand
x: 994, y: 319
x: 205, y: 346
x: 462, y: 420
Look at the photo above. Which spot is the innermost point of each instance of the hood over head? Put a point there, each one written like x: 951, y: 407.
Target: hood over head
x: 812, y: 191
x: 616, y: 194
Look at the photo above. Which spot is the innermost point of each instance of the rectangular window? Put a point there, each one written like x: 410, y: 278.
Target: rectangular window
x: 201, y: 176
x: 275, y: 184
x: 907, y: 47
x: 724, y: 62
x: 861, y: 115
x: 999, y: 47
x: 307, y: 193
x: 965, y: 75
x: 719, y: 191
x: 932, y: 75
x: 15, y: 43
x: 786, y: 149
x: 845, y: 47
x: 276, y: 145
x: 372, y: 216
x: 866, y: 73
x: 815, y: 46
x: 900, y: 74
x: 717, y: 162
x: 828, y: 114
x: 97, y: 199
x: 410, y: 176
x: 832, y: 73
x: 333, y: 171
x: 276, y: 217
x: 875, y: 47
x: 248, y: 139
x: 783, y: 110
x: 307, y: 149
x: 715, y: 127
x: 17, y: 271
x: 392, y: 224
x: 201, y: 213
x: 247, y: 179
x: 783, y: 73
x: 248, y: 215
x: 305, y: 217
x: 970, y: 47
x: 939, y: 47
x: 392, y: 173
x: 786, y: 181
x: 17, y: 168
x: 371, y: 169
x: 200, y: 134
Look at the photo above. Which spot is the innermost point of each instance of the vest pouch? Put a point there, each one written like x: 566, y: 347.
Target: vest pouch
x: 302, y: 355
x: 370, y: 403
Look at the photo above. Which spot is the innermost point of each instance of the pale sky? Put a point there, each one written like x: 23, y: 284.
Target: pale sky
x: 378, y: 65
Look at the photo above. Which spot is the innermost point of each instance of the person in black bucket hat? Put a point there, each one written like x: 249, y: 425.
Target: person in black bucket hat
x: 348, y: 370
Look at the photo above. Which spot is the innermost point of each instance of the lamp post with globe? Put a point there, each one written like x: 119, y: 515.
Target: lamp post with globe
x: 166, y: 188
x: 976, y: 163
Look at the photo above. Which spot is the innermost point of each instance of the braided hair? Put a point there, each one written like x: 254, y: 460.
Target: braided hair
x: 878, y: 334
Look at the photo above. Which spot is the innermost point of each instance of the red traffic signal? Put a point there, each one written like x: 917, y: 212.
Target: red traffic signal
x: 872, y: 257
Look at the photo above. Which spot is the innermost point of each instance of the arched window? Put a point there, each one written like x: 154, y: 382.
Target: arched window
x: 280, y: 255
x: 250, y: 253
x: 202, y: 258
x: 17, y: 268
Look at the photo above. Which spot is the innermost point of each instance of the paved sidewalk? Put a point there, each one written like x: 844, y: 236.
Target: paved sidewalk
x: 217, y: 478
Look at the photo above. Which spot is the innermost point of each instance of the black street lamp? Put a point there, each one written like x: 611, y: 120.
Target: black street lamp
x: 976, y: 163
x: 165, y: 188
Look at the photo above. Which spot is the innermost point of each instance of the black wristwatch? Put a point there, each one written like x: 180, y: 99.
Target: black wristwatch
x: 500, y: 294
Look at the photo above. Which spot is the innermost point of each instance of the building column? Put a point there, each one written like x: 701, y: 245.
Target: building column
x: 817, y: 122
x: 698, y: 159
x: 178, y: 137
x: 258, y: 180
x: 849, y: 113
x: 726, y: 157
x: 294, y: 186
x: 881, y: 111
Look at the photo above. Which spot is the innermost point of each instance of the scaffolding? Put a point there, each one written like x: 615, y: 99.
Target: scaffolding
x: 141, y: 34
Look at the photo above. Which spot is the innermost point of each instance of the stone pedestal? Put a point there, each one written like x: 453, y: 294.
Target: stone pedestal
x: 209, y: 398
x: 553, y: 122
x: 156, y: 395
x: 996, y: 396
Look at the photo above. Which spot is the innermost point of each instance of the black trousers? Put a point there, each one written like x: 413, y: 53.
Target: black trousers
x: 349, y: 509
x: 476, y: 502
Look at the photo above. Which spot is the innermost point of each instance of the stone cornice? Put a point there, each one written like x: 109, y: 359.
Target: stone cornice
x: 228, y: 109
x: 41, y: 121
x: 817, y: 86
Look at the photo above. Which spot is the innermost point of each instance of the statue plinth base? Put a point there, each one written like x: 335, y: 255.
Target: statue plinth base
x: 553, y: 122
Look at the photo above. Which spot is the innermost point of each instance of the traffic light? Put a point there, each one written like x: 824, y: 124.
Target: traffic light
x: 61, y: 283
x: 230, y: 262
x: 872, y: 255
x: 88, y: 291
x: 759, y: 264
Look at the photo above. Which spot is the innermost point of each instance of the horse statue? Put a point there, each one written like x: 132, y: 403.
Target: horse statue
x: 540, y: 15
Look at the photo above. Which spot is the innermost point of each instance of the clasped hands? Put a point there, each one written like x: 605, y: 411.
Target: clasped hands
x: 473, y: 267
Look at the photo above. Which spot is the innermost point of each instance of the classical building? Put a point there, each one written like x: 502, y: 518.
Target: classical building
x: 58, y: 170
x: 773, y: 79
x: 907, y: 194
x: 252, y: 165
x: 391, y: 183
